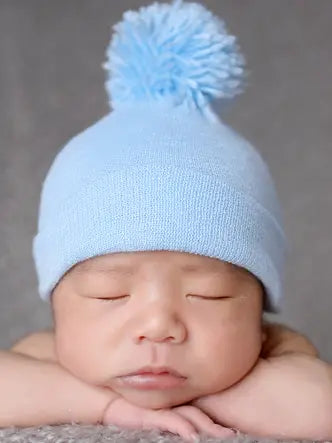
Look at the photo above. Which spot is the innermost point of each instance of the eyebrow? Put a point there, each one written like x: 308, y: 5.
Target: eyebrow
x: 129, y: 270
x: 103, y: 269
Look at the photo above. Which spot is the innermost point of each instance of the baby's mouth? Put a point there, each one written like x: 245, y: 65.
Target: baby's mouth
x: 149, y: 380
x: 152, y: 378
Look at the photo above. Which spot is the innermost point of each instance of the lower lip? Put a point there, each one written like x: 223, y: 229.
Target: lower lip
x: 151, y: 381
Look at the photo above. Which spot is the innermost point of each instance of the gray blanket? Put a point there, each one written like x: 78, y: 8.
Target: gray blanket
x: 100, y: 434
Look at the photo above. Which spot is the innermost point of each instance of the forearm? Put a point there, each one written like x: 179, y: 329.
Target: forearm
x: 35, y: 392
x: 289, y: 397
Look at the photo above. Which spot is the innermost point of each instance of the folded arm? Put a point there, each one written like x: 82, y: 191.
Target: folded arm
x: 39, y: 345
x: 36, y: 392
x: 287, y: 394
x: 281, y: 340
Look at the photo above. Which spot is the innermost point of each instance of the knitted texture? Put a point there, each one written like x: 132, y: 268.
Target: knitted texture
x: 162, y: 171
x: 99, y: 434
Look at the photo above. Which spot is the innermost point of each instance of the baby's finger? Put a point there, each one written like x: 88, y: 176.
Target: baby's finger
x: 202, y: 422
x: 166, y: 420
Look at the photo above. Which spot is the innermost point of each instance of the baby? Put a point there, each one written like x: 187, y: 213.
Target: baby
x: 160, y: 245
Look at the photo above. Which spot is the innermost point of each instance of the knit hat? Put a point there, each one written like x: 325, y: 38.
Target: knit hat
x: 162, y: 171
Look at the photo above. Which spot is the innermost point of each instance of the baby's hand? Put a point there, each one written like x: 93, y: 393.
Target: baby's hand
x: 184, y: 420
x: 203, y: 422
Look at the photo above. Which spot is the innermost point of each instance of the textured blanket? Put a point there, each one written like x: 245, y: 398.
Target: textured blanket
x: 100, y: 434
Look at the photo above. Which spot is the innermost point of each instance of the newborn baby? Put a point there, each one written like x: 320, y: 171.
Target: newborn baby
x: 160, y: 244
x: 191, y: 329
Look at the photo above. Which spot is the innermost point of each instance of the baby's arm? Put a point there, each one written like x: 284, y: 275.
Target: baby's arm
x: 40, y: 345
x: 288, y: 393
x: 281, y: 339
x: 288, y: 396
x: 35, y: 392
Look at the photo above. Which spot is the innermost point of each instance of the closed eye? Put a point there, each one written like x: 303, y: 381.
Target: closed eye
x: 110, y: 299
x: 205, y: 297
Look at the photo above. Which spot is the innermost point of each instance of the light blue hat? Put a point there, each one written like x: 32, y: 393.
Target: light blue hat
x: 162, y: 171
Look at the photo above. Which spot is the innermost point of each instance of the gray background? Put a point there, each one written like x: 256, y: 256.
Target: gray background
x: 51, y: 87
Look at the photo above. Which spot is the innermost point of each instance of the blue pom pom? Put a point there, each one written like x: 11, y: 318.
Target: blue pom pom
x: 179, y: 51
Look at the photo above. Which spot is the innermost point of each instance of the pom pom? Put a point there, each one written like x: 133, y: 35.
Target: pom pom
x: 179, y: 51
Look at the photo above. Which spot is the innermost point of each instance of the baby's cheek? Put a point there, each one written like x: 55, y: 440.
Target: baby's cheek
x: 245, y: 350
x: 232, y: 353
x: 73, y: 355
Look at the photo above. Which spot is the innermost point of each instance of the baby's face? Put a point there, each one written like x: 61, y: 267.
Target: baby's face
x: 119, y: 312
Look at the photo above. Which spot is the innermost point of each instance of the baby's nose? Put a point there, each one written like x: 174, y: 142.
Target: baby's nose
x: 161, y: 324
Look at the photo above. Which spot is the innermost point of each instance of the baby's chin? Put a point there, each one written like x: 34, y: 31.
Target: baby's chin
x: 158, y: 399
